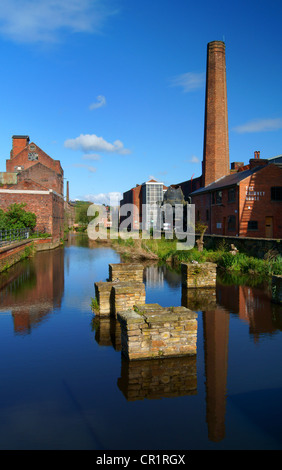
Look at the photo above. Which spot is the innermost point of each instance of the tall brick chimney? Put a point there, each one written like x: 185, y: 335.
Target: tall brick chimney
x: 216, y: 142
x: 19, y: 143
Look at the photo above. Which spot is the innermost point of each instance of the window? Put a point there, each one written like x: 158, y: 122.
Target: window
x: 231, y: 223
x: 276, y: 193
x: 231, y: 194
x: 207, y: 215
x: 218, y: 197
x: 32, y: 156
x: 252, y: 225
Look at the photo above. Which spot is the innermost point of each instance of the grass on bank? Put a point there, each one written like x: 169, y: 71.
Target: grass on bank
x: 241, y: 263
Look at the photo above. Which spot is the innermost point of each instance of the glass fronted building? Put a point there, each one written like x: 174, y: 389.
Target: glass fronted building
x: 152, y: 197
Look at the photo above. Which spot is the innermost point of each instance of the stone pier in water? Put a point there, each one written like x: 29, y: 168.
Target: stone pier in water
x: 148, y: 331
x: 198, y: 275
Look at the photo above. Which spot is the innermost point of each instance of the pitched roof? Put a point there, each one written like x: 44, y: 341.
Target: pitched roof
x: 229, y: 180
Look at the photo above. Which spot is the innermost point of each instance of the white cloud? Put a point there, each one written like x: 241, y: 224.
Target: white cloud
x: 101, y: 101
x: 188, y: 81
x: 111, y: 198
x: 93, y: 143
x: 90, y: 168
x: 194, y: 159
x: 42, y: 21
x: 259, y: 125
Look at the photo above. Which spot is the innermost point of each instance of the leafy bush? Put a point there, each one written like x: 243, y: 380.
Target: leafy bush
x: 226, y: 260
x: 16, y: 218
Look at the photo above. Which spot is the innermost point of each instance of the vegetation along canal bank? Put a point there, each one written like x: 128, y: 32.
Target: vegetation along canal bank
x: 225, y: 255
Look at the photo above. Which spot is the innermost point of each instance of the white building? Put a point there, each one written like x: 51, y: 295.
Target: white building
x: 152, y: 197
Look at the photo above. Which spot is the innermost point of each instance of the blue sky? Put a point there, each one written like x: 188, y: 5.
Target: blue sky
x: 115, y: 89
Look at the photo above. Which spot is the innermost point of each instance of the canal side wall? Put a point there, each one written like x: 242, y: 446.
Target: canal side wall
x: 15, y: 252
x: 252, y: 246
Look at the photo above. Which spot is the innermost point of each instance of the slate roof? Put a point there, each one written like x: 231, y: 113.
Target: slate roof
x: 229, y: 180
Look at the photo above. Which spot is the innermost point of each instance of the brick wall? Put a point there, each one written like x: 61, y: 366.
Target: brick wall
x: 255, y: 202
x: 22, y: 159
x: 252, y: 203
x: 48, y: 207
x: 49, y: 179
x: 19, y: 143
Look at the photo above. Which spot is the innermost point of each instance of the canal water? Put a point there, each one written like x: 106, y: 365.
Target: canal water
x: 65, y: 384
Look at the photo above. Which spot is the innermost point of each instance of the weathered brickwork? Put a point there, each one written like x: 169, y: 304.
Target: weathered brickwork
x: 148, y: 331
x: 35, y: 179
x: 255, y: 203
x: 126, y: 272
x: 10, y: 255
x: 124, y: 289
x: 172, y: 377
x: 114, y: 297
x: 13, y: 253
x: 127, y: 294
x: 47, y: 206
x: 216, y: 145
x: 198, y: 275
x: 104, y: 297
x: 251, y: 212
x: 151, y: 332
x: 25, y: 155
x: 47, y: 178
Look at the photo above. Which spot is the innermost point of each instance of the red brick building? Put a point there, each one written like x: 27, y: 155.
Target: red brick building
x: 34, y: 178
x: 238, y: 200
x: 133, y: 196
x: 243, y: 203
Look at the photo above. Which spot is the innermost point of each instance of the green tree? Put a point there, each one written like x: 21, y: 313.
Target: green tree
x: 81, y: 216
x: 17, y: 217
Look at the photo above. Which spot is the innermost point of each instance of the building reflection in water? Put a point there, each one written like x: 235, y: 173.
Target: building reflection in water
x: 33, y: 289
x: 172, y: 377
x: 155, y: 275
x: 158, y: 378
x: 215, y: 331
x: 253, y: 306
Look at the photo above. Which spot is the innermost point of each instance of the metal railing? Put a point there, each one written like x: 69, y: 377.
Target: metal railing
x: 10, y: 236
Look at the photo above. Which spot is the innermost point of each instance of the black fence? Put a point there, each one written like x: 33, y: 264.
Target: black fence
x: 10, y: 236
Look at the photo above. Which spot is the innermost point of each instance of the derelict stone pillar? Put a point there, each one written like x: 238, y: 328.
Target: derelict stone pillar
x: 198, y: 275
x: 124, y: 272
x: 153, y: 332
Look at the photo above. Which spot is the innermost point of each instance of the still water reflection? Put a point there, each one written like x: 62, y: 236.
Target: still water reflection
x: 65, y: 384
